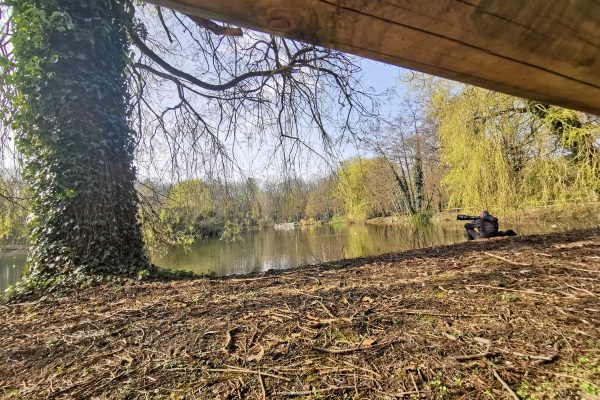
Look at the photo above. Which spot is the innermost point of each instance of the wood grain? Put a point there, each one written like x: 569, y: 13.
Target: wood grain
x: 543, y: 50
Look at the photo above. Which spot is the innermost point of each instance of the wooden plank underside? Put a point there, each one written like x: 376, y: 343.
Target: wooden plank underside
x: 539, y: 49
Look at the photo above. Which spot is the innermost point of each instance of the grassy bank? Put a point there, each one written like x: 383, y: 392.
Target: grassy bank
x: 467, y: 321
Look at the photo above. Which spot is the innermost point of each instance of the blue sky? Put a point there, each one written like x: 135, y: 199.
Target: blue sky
x: 256, y: 158
x: 380, y: 77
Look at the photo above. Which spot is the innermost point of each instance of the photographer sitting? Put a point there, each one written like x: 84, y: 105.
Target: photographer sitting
x: 486, y: 225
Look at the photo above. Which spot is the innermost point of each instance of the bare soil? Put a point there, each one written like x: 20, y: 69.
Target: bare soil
x: 510, y: 318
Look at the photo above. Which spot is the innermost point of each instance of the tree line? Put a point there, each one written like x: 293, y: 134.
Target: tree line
x: 92, y: 89
x: 448, y: 146
x: 185, y: 211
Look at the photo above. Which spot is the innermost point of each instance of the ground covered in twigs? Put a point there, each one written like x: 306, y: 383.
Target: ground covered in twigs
x: 499, y: 319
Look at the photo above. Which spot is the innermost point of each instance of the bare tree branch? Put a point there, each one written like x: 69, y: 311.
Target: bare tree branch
x: 214, y: 27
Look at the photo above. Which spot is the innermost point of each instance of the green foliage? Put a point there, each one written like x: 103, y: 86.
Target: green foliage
x: 440, y: 390
x: 366, y: 188
x: 189, y: 212
x: 73, y: 134
x: 193, y: 209
x: 590, y: 389
x: 419, y: 181
x: 231, y: 230
x: 351, y: 191
x: 13, y: 213
x: 338, y: 220
x: 501, y: 152
x: 175, y: 229
x: 247, y: 205
x: 421, y: 218
x: 479, y: 173
x: 525, y: 391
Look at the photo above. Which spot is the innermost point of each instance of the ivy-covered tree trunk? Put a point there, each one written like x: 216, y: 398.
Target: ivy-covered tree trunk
x: 74, y: 137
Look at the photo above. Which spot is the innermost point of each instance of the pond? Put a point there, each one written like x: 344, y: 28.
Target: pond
x: 11, y: 266
x: 259, y: 250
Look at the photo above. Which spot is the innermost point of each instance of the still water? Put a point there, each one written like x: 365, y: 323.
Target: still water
x: 11, y: 267
x: 259, y: 250
x: 265, y: 249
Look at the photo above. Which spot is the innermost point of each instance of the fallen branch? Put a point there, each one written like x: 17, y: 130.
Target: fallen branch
x: 538, y: 359
x: 589, y: 271
x: 511, y: 290
x: 468, y: 357
x: 359, y: 348
x: 247, y: 371
x: 582, y: 290
x: 412, y: 378
x: 505, y: 385
x: 545, y: 360
x: 520, y: 264
x: 262, y: 386
x: 486, y: 353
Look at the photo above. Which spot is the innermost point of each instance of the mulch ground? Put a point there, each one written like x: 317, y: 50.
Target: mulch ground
x: 514, y: 318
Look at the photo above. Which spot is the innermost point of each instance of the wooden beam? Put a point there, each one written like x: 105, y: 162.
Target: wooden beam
x: 538, y: 49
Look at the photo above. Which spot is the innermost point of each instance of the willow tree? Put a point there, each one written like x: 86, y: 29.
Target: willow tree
x: 81, y: 104
x: 368, y: 188
x: 500, y: 151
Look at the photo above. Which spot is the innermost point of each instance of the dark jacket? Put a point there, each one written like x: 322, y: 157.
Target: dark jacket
x: 487, y: 226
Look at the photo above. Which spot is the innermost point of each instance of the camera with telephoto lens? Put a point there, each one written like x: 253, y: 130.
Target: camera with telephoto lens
x: 462, y: 217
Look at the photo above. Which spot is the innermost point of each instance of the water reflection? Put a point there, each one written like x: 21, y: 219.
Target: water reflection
x: 265, y: 249
x: 11, y: 267
x: 261, y: 250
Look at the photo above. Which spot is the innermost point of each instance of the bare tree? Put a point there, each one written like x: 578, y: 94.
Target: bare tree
x: 409, y: 144
x: 202, y: 87
x: 191, y: 89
